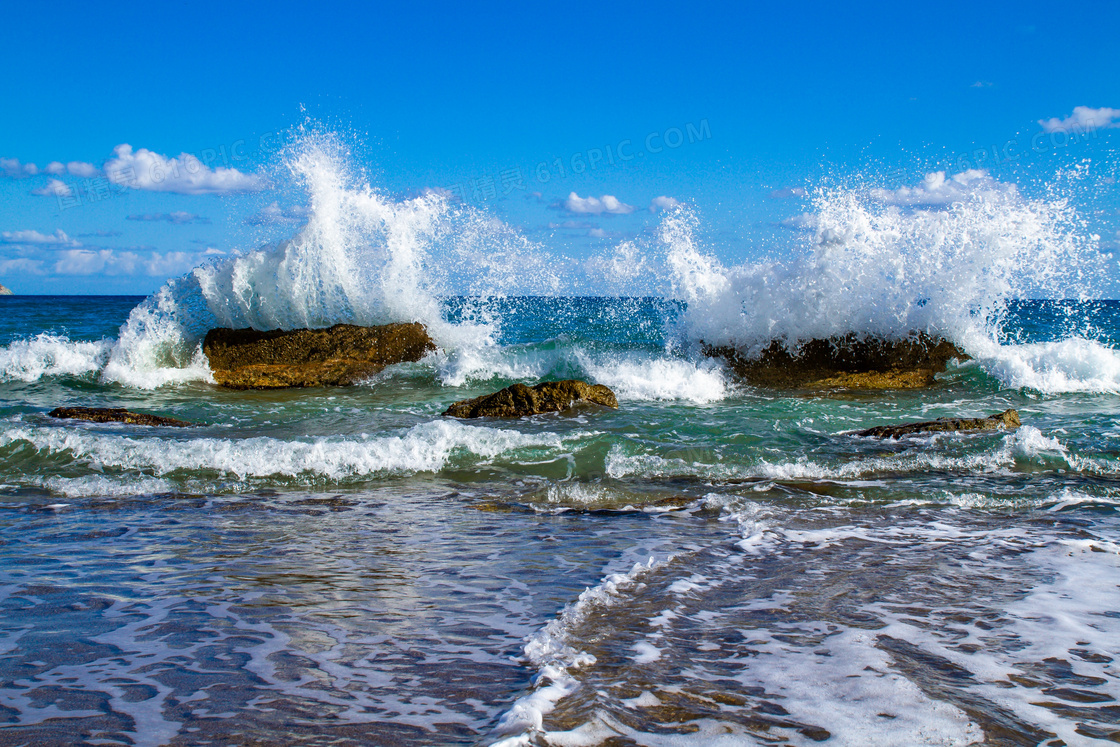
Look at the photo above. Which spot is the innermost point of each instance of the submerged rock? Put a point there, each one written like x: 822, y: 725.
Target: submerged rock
x: 844, y: 362
x: 1008, y: 419
x: 115, y: 415
x: 519, y: 400
x: 341, y: 355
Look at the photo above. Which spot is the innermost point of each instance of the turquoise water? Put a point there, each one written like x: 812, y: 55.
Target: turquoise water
x: 710, y: 562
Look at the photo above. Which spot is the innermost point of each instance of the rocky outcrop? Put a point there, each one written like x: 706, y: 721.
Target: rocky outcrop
x: 341, y: 355
x: 1008, y: 419
x: 844, y: 362
x: 4, y: 291
x: 115, y: 415
x: 519, y: 400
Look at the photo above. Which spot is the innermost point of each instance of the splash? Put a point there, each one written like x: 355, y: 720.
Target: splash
x: 944, y: 258
x: 362, y: 258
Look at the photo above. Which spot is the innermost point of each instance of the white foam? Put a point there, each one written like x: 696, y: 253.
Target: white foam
x: 551, y: 651
x: 362, y: 258
x: 425, y: 447
x: 104, y: 485
x: 1026, y: 444
x: 661, y: 378
x: 873, y: 267
x: 51, y: 355
x: 1071, y: 365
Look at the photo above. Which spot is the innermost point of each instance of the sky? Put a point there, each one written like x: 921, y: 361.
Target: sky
x: 138, y: 140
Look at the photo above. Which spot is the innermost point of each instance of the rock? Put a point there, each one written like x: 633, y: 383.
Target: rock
x: 519, y: 400
x: 1008, y: 419
x: 341, y: 355
x: 845, y: 362
x: 5, y: 292
x: 115, y: 415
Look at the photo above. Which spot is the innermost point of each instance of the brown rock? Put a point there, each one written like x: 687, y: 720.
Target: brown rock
x: 4, y: 291
x: 519, y: 400
x: 845, y: 362
x: 1008, y: 419
x: 341, y: 355
x: 115, y: 415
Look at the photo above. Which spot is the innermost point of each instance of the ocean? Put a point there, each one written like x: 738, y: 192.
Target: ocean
x: 710, y: 564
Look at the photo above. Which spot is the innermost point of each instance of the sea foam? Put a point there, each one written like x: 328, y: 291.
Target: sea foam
x: 427, y: 447
x: 51, y: 355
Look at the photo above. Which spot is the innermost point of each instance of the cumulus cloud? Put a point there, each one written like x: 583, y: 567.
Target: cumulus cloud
x: 53, y: 187
x: 178, y: 217
x: 788, y: 193
x: 1083, y: 119
x: 936, y: 189
x: 663, y: 203
x: 595, y: 205
x: 185, y: 174
x: 276, y: 215
x: 58, y: 238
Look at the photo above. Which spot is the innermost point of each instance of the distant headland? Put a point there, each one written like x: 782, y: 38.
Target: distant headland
x: 4, y: 291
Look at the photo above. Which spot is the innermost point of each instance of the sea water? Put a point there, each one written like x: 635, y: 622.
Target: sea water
x: 709, y: 564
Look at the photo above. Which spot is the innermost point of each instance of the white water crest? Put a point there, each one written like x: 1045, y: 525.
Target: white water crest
x: 51, y: 355
x: 427, y: 447
x: 944, y: 258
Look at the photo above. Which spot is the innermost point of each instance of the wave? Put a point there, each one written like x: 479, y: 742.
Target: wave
x: 875, y: 264
x: 945, y: 259
x: 362, y: 258
x: 1025, y: 448
x: 52, y: 355
x: 552, y: 652
x: 1075, y: 364
x: 427, y: 447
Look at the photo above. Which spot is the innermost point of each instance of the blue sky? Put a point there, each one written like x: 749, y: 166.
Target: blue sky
x: 762, y: 100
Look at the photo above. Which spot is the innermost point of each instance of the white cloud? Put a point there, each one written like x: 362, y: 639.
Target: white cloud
x: 13, y: 169
x: 596, y: 206
x: 58, y: 238
x: 21, y: 266
x: 53, y: 187
x: 982, y: 84
x: 179, y: 217
x: 274, y: 214
x: 936, y: 189
x: 74, y: 168
x: 124, y: 262
x: 144, y: 169
x: 788, y: 193
x: 663, y: 203
x: 83, y: 169
x: 1083, y: 119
